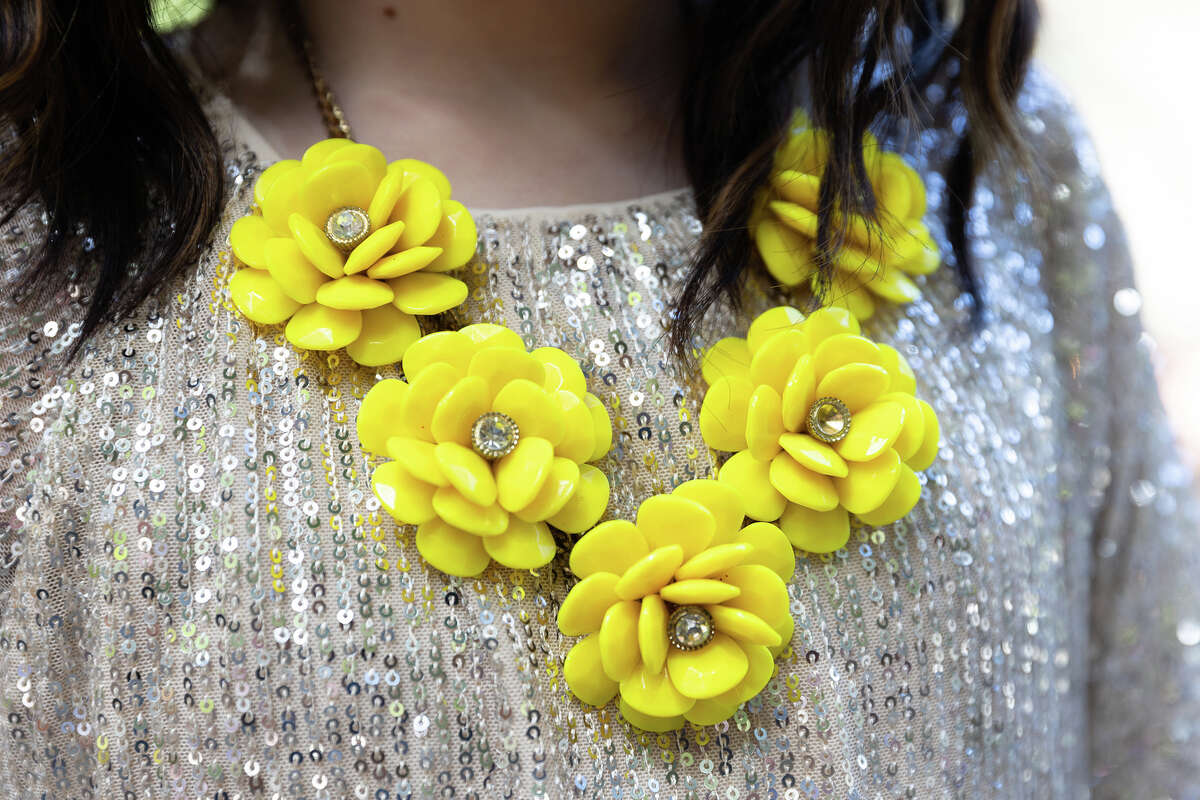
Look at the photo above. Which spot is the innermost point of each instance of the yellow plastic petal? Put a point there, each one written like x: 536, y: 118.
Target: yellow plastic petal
x: 715, y: 561
x: 370, y: 158
x: 316, y: 246
x: 892, y: 284
x: 654, y: 694
x: 744, y: 626
x: 457, y: 410
x: 384, y: 199
x: 617, y: 631
x: 562, y: 371
x: 420, y: 206
x: 426, y: 391
x: 499, y: 365
x: 579, y: 433
x: 521, y: 474
x: 298, y: 278
x: 714, y: 709
x: 418, y: 458
x: 801, y: 485
x: 583, y: 609
x: 797, y: 187
x: 813, y: 454
x: 451, y: 347
x: 649, y: 722
x: 903, y: 378
x: 872, y: 430
x: 721, y: 501
x: 371, y: 249
x: 698, y: 591
x: 536, y: 411
x: 786, y: 253
x: 842, y: 349
x: 428, y: 293
x: 557, y: 489
x: 354, y: 292
x: 669, y: 519
x: 769, y: 547
x: 316, y: 155
x: 333, y: 186
x: 612, y: 546
x: 280, y: 199
x: 455, y: 235
x: 318, y: 327
x: 262, y: 187
x: 799, y: 392
x: 586, y: 505
x: 407, y: 499
x: 260, y: 297
x: 750, y: 478
x: 712, y: 670
x: 467, y: 472
x: 815, y: 531
x: 869, y: 482
x: 826, y: 322
x: 652, y: 633
x: 762, y: 667
x: 845, y: 291
x: 728, y: 358
x: 770, y: 322
x: 764, y: 594
x: 602, y: 431
x: 796, y: 217
x: 425, y: 170
x: 929, y: 443
x: 898, y: 503
x: 453, y: 551
x: 856, y: 385
x: 450, y: 505
x: 379, y: 413
x: 487, y: 334
x: 385, y: 335
x: 650, y: 573
x: 524, y: 545
x: 723, y: 414
x: 764, y: 422
x: 403, y: 263
x: 247, y: 238
x: 776, y: 357
x: 584, y: 673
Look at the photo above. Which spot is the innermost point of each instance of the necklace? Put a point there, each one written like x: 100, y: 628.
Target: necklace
x: 332, y: 115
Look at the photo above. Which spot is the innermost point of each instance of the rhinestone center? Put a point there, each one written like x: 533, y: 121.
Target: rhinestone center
x: 347, y: 227
x: 690, y: 627
x: 494, y: 435
x: 829, y: 420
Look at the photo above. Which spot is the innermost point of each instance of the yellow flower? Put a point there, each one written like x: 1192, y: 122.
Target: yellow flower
x: 346, y: 248
x: 488, y: 444
x: 822, y: 423
x: 682, y: 611
x: 874, y: 263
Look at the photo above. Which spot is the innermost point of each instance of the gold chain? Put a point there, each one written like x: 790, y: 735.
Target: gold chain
x: 331, y: 113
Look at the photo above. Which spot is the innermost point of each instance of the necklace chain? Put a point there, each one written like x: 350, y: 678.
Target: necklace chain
x: 331, y: 113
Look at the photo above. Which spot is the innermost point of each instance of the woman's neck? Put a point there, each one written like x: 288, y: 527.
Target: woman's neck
x: 545, y: 102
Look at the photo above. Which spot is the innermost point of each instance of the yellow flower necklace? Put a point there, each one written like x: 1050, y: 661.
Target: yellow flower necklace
x: 683, y: 610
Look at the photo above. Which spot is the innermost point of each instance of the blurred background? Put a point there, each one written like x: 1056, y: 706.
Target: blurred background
x: 1129, y: 69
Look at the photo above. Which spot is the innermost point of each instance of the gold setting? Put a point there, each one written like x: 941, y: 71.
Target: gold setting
x: 829, y: 420
x: 690, y: 628
x: 494, y: 435
x: 347, y: 227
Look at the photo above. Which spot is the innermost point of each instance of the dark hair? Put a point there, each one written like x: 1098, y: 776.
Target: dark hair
x: 110, y: 139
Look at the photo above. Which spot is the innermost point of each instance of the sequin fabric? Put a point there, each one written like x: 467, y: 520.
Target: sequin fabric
x: 201, y: 598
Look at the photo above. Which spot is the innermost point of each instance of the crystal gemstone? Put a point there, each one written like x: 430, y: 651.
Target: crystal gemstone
x: 829, y: 420
x: 494, y: 435
x: 690, y: 627
x: 347, y: 227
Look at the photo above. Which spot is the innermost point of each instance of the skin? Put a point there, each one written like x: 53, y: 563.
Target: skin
x: 551, y: 102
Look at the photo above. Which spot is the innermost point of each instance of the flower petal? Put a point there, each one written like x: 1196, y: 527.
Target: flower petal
x: 247, y: 238
x: 815, y: 531
x: 425, y: 170
x: 715, y: 561
x: 460, y: 512
x: 267, y: 179
x: 868, y: 483
x: 799, y: 392
x: 428, y: 293
x: 617, y: 631
x: 801, y: 485
x: 786, y: 253
x: 764, y: 594
x: 370, y: 158
x: 499, y: 365
x: 929, y: 442
x: 602, y: 430
x: 521, y: 474
x: 842, y: 349
x: 648, y: 722
x: 453, y: 551
x: 562, y: 371
x: 796, y: 217
x: 698, y: 591
x: 652, y: 633
x: 769, y: 323
x: 769, y: 547
x: 721, y: 501
x: 912, y: 432
x: 872, y: 430
x: 612, y: 546
x: 467, y: 472
x: 728, y: 358
x: 451, y: 347
x: 403, y: 263
x: 813, y: 454
x: 583, y: 609
x: 406, y: 498
x: 723, y: 414
x: 762, y: 667
x: 584, y: 673
x: 420, y: 206
x: 650, y: 573
x: 279, y: 199
x: 903, y: 378
x: 776, y: 357
x: 797, y: 187
x: 898, y: 503
x: 826, y: 322
x: 384, y: 199
x: 426, y: 390
x: 586, y: 505
x: 892, y: 284
x: 260, y: 297
x: 579, y: 432
x: 487, y: 334
x: 335, y: 185
x: 316, y: 246
x: 667, y: 519
x: 750, y: 478
x: 654, y: 694
x: 712, y: 670
x: 524, y: 545
x: 371, y: 249
x: 318, y: 327
x: 354, y: 292
x: 742, y: 625
x: 536, y: 411
x: 386, y: 333
x: 379, y: 414
x: 857, y: 385
x: 456, y: 235
x: 558, y: 488
x: 764, y: 422
x: 417, y: 456
x: 296, y: 276
x: 315, y: 156
x: 457, y: 410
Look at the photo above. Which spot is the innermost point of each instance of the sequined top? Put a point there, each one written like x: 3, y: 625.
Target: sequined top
x: 201, y: 597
